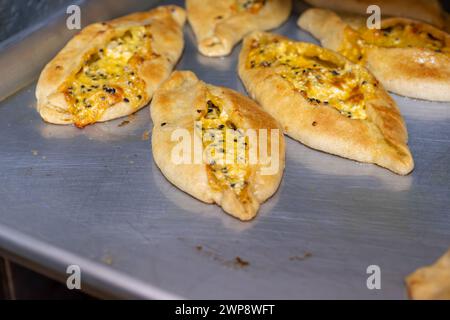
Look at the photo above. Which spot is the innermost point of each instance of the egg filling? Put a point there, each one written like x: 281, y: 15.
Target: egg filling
x: 225, y: 147
x: 109, y: 76
x: 400, y: 35
x: 252, y: 6
x: 316, y: 75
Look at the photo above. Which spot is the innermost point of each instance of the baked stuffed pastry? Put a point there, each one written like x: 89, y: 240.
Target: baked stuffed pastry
x: 111, y: 69
x: 429, y: 11
x: 325, y: 101
x: 410, y: 58
x: 219, y: 25
x: 431, y: 282
x: 217, y: 122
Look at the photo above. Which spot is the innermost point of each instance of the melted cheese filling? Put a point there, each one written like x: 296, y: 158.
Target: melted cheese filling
x: 397, y: 36
x: 318, y: 79
x: 109, y: 76
x: 221, y: 139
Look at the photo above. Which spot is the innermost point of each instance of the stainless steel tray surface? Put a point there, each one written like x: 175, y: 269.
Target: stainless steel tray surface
x: 16, y: 16
x: 95, y: 198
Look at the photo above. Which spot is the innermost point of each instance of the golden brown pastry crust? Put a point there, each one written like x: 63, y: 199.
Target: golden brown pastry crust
x: 218, y: 27
x: 431, y: 282
x: 381, y: 139
x: 413, y: 72
x: 429, y: 11
x: 175, y: 106
x: 166, y: 28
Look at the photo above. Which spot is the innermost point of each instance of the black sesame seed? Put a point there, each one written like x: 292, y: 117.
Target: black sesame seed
x: 109, y: 90
x: 432, y: 37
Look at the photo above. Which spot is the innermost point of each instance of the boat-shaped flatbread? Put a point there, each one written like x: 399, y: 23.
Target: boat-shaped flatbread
x: 219, y: 25
x: 216, y: 122
x: 429, y: 11
x: 325, y: 101
x: 111, y: 69
x: 431, y: 282
x: 410, y: 58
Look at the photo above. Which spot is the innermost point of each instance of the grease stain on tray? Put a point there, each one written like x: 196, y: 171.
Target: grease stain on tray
x: 241, y: 262
x: 107, y: 259
x: 236, y: 263
x: 303, y: 257
x: 145, y: 135
x: 124, y: 123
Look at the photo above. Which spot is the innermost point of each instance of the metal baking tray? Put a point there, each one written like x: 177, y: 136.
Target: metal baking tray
x: 95, y: 198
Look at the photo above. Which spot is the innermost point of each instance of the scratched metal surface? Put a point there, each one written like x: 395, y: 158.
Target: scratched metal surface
x: 94, y: 197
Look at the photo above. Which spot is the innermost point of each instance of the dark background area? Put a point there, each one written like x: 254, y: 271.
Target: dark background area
x: 17, y: 282
x: 446, y: 5
x: 17, y: 15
